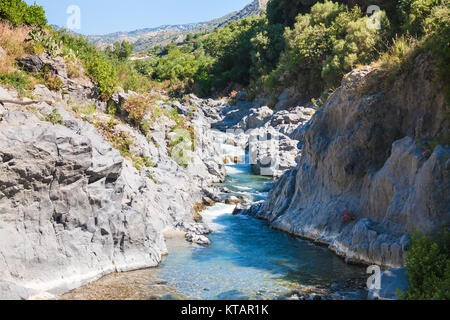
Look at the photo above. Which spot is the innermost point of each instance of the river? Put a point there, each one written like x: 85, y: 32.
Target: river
x: 246, y: 260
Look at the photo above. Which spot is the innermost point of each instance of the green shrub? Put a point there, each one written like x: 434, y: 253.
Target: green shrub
x: 18, y: 12
x: 138, y: 106
x: 16, y: 80
x: 414, y: 14
x: 437, y: 27
x: 428, y: 268
x: 54, y: 117
x: 98, y: 66
x: 53, y: 82
x: 325, y: 44
x: 120, y: 50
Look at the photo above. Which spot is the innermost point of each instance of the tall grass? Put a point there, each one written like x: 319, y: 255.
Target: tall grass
x: 12, y: 40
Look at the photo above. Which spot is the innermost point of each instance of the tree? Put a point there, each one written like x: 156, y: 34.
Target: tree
x: 284, y: 12
x: 18, y: 12
x: 120, y: 50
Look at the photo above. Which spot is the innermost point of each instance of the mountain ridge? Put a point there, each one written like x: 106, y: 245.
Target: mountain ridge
x: 144, y: 39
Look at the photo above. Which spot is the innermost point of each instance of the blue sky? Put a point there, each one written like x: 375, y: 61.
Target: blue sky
x: 106, y: 16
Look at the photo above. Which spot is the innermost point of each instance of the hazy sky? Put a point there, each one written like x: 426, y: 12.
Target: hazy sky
x: 106, y: 16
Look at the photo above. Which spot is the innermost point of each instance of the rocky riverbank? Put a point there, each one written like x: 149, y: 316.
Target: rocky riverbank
x: 367, y: 177
x: 72, y: 208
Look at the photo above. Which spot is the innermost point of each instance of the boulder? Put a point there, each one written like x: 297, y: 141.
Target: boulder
x: 258, y: 117
x: 73, y: 209
x: 270, y: 152
x: 207, y: 201
x: 232, y: 200
x: 198, y: 239
x: 31, y: 63
x: 36, y: 63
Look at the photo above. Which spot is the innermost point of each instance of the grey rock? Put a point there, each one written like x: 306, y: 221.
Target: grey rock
x: 36, y: 63
x: 72, y: 209
x: 31, y: 63
x: 198, y: 239
x: 352, y: 157
x: 258, y: 117
x: 232, y: 200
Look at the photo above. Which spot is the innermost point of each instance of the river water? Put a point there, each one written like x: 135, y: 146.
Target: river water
x: 246, y: 260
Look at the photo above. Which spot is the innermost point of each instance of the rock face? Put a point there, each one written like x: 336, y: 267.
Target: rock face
x: 273, y: 140
x: 72, y: 209
x: 80, y: 90
x: 360, y: 157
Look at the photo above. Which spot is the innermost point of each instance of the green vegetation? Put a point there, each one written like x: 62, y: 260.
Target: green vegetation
x: 17, y: 12
x: 98, y: 65
x: 302, y: 43
x: 53, y: 82
x: 16, y: 80
x: 428, y: 268
x: 54, y: 117
x: 120, y: 51
x: 325, y: 44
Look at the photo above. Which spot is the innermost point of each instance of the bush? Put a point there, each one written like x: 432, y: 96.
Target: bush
x: 324, y: 45
x: 18, y: 12
x: 16, y: 80
x: 54, y: 117
x: 12, y: 40
x: 428, y: 268
x: 414, y: 14
x: 437, y: 27
x: 120, y: 51
x: 53, y: 81
x: 138, y: 106
x: 98, y: 66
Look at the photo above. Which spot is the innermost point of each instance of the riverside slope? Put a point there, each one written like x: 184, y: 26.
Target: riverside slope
x: 72, y: 209
x: 359, y: 152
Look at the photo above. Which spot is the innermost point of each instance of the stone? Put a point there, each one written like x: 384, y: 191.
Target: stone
x: 198, y: 239
x: 31, y: 63
x: 258, y: 117
x: 207, y: 201
x: 77, y: 210
x: 232, y: 200
x: 57, y: 65
x: 36, y: 63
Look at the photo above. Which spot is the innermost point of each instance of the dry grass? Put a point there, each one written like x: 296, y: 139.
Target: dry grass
x: 400, y: 54
x: 12, y: 41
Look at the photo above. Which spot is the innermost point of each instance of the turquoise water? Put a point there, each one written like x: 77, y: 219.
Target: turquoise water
x: 247, y: 259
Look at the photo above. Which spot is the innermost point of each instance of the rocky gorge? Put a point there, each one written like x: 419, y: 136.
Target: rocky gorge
x: 365, y: 180
x: 73, y: 208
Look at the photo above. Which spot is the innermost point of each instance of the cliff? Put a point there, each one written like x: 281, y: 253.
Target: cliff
x: 367, y: 177
x: 73, y: 208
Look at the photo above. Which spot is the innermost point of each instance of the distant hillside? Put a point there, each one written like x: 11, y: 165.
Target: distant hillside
x: 144, y: 39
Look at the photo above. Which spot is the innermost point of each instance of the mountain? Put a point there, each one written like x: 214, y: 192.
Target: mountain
x: 143, y: 39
